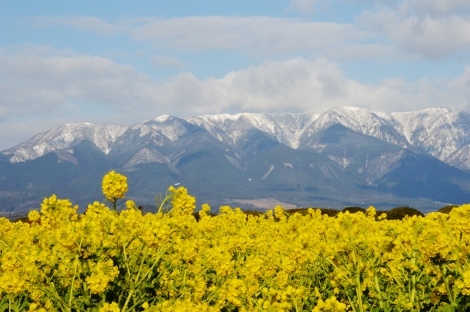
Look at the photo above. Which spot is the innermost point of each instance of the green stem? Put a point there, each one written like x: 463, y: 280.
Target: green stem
x: 359, y: 291
x: 74, y: 275
x: 141, y: 264
x: 358, y: 282
x: 446, y: 282
x: 413, y: 280
x: 163, y: 202
x: 126, y: 259
x: 377, y: 286
x: 135, y: 284
x: 127, y: 300
x: 351, y: 303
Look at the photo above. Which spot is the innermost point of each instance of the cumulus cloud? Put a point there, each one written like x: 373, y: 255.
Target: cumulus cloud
x: 299, y: 85
x: 34, y: 83
x: 432, y: 29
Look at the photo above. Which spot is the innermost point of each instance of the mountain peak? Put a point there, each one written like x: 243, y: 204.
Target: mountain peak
x: 440, y: 131
x: 162, y: 118
x: 64, y: 137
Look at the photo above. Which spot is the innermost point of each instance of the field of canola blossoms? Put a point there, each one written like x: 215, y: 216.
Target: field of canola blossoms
x: 105, y: 260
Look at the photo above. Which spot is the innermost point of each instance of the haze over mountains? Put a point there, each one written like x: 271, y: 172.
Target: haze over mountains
x: 344, y: 156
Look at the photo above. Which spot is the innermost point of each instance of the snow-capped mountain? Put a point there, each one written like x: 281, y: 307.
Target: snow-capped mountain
x: 441, y: 132
x: 64, y: 137
x: 361, y: 120
x: 345, y: 154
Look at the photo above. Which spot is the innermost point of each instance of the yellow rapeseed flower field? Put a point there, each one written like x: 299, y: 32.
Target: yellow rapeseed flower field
x: 109, y: 260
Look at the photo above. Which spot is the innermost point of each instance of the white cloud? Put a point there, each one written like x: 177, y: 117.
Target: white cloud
x: 37, y: 84
x: 416, y: 7
x: 252, y: 35
x: 300, y: 85
x: 249, y: 34
x: 437, y: 7
x: 459, y: 93
x: 433, y: 29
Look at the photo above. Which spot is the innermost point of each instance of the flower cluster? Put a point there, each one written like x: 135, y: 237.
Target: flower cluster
x: 106, y: 260
x: 114, y: 186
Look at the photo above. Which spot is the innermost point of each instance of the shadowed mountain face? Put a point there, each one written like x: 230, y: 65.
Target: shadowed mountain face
x: 344, y: 157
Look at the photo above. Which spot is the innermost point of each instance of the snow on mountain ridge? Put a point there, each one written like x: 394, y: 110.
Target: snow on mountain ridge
x: 211, y: 125
x: 287, y: 128
x: 360, y: 120
x: 293, y: 126
x: 102, y: 135
x: 146, y: 156
x: 441, y: 132
x: 168, y: 126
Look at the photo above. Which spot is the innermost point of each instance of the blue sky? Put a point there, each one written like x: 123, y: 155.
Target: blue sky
x: 126, y: 62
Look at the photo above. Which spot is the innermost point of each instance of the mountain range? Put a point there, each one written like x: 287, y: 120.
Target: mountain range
x: 345, y: 156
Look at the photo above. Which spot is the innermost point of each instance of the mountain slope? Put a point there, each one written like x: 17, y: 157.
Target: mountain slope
x: 344, y: 156
x: 439, y: 132
x: 64, y: 137
x: 417, y: 175
x: 361, y: 120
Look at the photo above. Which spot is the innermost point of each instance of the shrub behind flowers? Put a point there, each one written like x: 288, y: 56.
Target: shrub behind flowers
x: 109, y: 260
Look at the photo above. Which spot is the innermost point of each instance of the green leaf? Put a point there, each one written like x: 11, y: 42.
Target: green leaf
x: 447, y: 308
x: 4, y: 307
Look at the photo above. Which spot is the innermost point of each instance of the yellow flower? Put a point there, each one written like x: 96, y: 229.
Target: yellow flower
x: 464, y: 284
x: 102, y: 274
x: 331, y: 304
x: 275, y: 261
x: 130, y: 204
x: 34, y: 215
x: 383, y: 216
x: 371, y: 212
x: 206, y: 208
x: 182, y: 202
x: 114, y: 186
x: 113, y: 307
x: 279, y: 213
